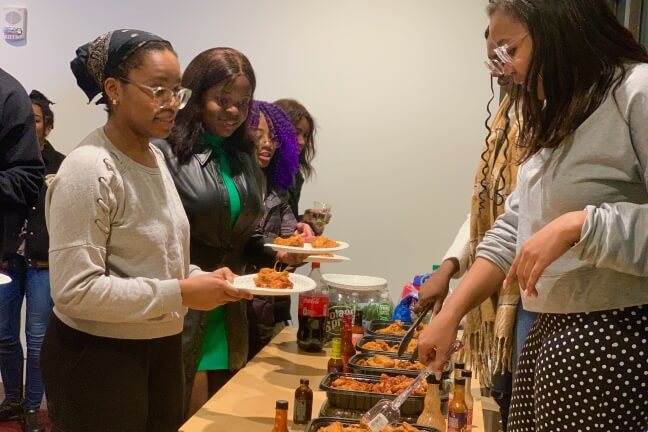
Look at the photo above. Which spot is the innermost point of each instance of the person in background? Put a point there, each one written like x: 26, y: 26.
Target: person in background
x: 305, y: 127
x: 490, y: 345
x: 572, y: 232
x: 211, y: 159
x: 29, y: 271
x: 277, y: 154
x: 21, y: 177
x: 119, y: 251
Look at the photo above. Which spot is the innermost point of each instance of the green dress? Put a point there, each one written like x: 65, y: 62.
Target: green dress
x: 214, y: 354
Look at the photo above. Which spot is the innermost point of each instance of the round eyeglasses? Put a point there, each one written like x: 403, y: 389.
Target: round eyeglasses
x: 497, y: 65
x: 163, y: 96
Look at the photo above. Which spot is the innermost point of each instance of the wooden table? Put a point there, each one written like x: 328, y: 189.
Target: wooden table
x: 247, y: 402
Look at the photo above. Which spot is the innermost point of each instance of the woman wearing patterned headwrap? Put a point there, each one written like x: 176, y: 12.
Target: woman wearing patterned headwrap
x: 119, y: 251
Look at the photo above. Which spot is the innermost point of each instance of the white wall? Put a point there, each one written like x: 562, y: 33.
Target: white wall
x: 398, y: 89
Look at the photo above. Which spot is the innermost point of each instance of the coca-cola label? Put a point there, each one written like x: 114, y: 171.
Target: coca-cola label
x: 313, y: 306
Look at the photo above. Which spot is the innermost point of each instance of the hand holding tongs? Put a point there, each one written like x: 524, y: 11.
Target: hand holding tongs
x: 388, y: 412
x: 410, y: 333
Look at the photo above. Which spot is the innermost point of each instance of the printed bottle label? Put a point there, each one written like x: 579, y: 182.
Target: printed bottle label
x: 457, y: 422
x: 313, y: 306
x: 334, y: 320
x: 300, y: 410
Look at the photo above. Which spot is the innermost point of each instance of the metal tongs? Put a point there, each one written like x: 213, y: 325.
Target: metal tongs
x: 410, y: 333
x: 387, y: 412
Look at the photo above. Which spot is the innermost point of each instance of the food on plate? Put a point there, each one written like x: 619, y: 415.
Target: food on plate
x: 321, y: 242
x: 381, y: 345
x: 385, y: 362
x: 270, y: 278
x: 339, y: 427
x: 387, y: 385
x: 397, y: 328
x: 293, y: 240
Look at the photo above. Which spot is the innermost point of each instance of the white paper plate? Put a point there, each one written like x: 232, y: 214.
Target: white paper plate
x: 307, y: 249
x: 4, y: 279
x: 300, y: 284
x: 326, y: 259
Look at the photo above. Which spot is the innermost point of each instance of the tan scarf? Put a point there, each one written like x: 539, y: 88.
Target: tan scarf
x: 488, y: 331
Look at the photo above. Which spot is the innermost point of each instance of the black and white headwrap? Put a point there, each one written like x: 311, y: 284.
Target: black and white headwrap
x: 98, y: 59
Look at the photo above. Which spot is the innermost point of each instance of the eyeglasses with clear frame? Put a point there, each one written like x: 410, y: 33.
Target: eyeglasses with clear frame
x: 163, y: 96
x: 497, y: 65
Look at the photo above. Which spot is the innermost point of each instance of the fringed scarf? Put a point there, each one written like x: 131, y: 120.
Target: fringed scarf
x: 488, y: 331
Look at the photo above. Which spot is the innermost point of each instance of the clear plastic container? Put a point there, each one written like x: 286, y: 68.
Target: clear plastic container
x: 369, y: 293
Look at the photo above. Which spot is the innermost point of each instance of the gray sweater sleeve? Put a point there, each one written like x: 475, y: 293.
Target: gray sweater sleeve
x: 614, y: 235
x: 499, y: 243
x: 82, y: 203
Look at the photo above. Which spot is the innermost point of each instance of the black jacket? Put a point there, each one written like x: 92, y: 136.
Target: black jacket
x: 295, y: 193
x: 214, y: 242
x: 21, y: 167
x: 37, y: 243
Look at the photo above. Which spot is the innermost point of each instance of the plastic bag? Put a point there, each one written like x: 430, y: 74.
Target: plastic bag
x: 403, y: 311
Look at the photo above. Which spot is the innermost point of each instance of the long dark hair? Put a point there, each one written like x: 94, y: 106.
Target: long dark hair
x: 296, y: 112
x: 578, y: 47
x: 208, y: 69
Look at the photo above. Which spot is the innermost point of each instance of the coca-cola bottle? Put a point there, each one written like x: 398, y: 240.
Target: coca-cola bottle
x: 312, y: 311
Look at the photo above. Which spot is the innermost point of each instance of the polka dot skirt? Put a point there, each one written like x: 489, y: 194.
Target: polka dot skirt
x: 583, y: 372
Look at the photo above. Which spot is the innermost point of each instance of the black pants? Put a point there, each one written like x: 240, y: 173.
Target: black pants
x: 102, y: 384
x: 583, y: 372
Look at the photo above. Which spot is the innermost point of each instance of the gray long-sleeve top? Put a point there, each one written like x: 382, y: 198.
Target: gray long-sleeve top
x: 119, y: 244
x: 602, y: 168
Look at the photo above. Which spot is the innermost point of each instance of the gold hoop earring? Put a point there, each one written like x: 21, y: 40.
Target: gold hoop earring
x: 115, y: 102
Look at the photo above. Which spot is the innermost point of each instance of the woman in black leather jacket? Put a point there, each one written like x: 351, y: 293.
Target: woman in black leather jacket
x: 212, y: 162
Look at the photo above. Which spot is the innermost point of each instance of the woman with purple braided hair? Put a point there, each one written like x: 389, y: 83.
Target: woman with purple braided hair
x: 277, y: 154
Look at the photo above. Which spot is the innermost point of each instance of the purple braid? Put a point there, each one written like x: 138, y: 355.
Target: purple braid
x: 285, y: 162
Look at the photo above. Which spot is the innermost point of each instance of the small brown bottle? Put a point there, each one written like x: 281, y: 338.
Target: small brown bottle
x: 281, y: 417
x: 458, y: 367
x: 348, y: 349
x: 431, y: 415
x: 303, y: 403
x: 467, y: 376
x: 457, y: 410
x: 335, y: 362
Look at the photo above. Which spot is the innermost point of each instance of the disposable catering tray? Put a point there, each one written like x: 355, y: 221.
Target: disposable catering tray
x: 362, y: 400
x: 379, y: 324
x: 392, y: 341
x: 328, y: 410
x: 372, y: 370
x: 321, y: 422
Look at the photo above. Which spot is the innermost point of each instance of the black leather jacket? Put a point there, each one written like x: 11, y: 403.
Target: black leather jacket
x: 214, y: 242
